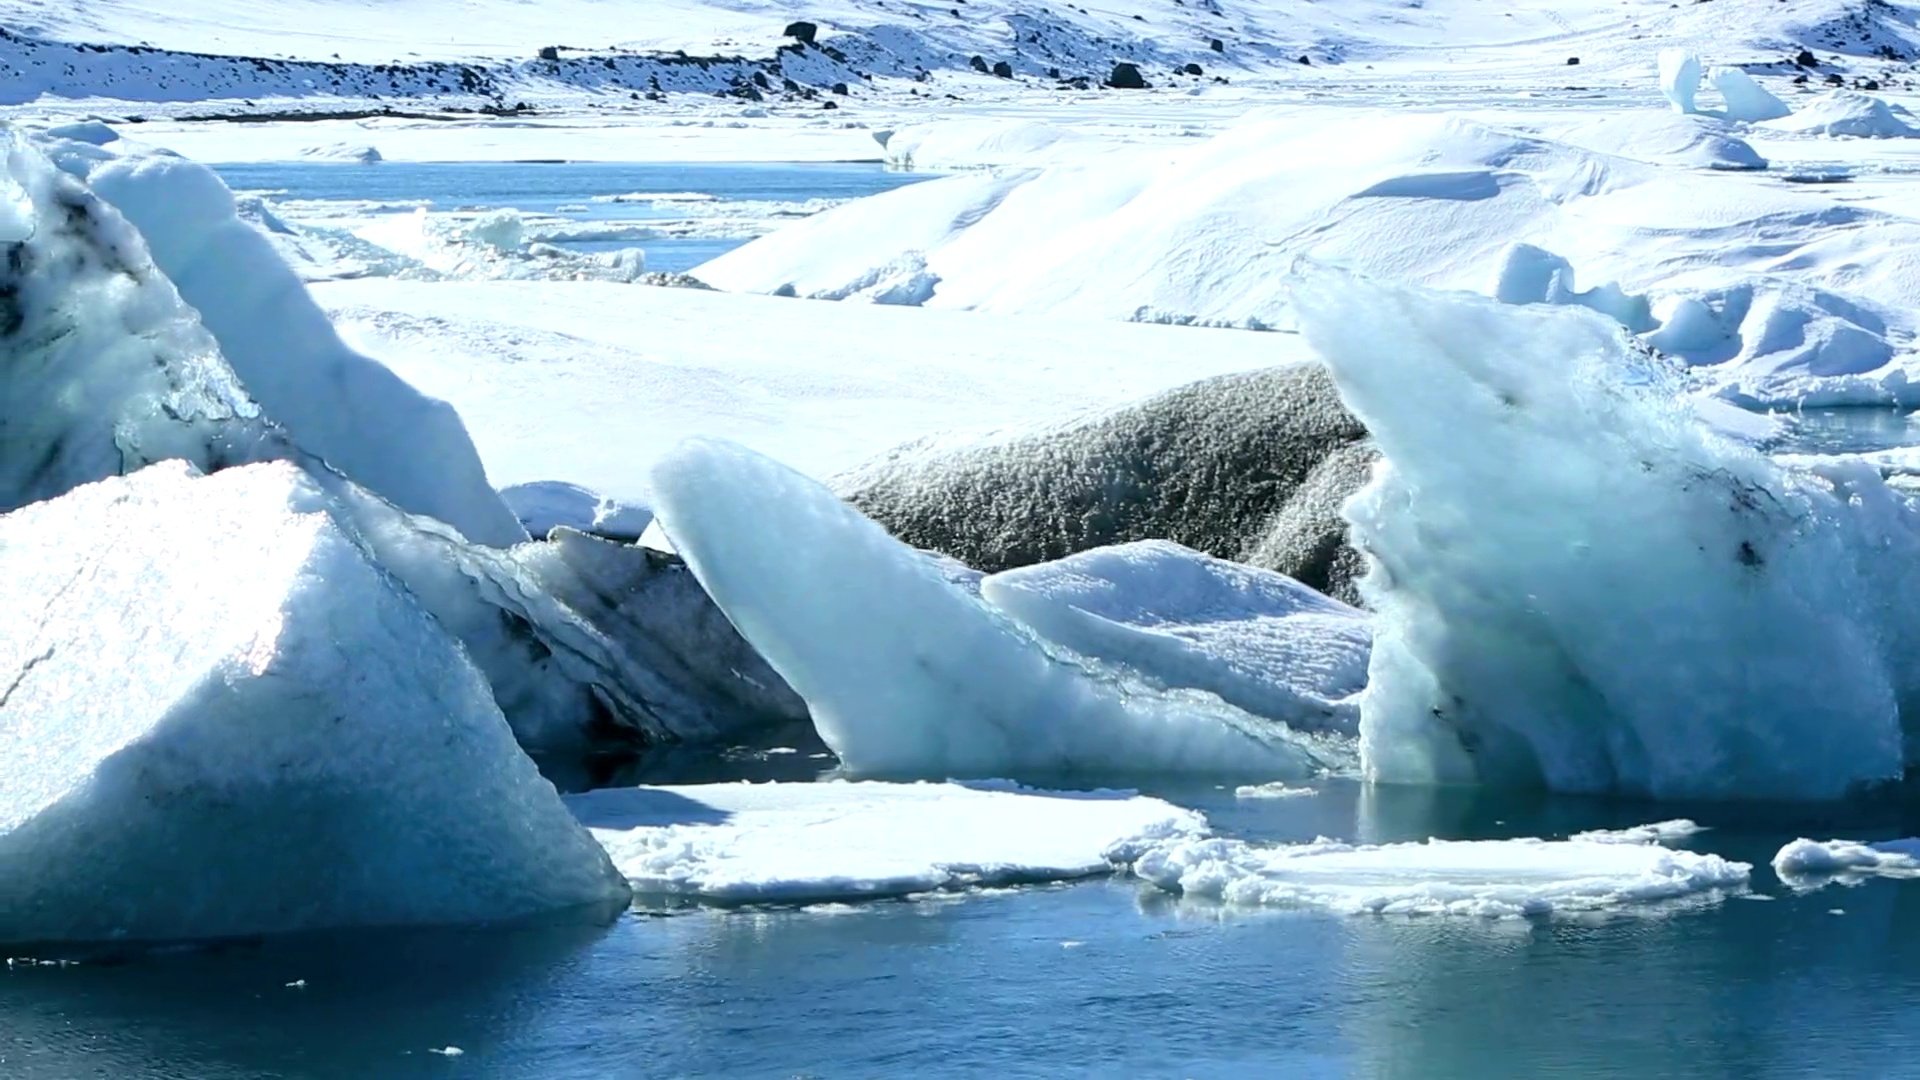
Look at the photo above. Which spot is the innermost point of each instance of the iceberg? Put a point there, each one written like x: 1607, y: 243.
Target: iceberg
x: 1809, y: 864
x: 1594, y: 592
x: 1679, y: 78
x: 1484, y: 878
x: 334, y: 403
x: 223, y: 720
x: 1256, y: 639
x: 812, y: 843
x: 1747, y: 100
x: 906, y: 672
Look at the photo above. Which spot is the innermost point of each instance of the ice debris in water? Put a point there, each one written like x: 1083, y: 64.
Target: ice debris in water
x: 909, y: 674
x: 805, y: 843
x: 1258, y: 639
x: 224, y: 720
x: 1671, y: 831
x: 1275, y: 790
x: 1578, y: 585
x: 1811, y: 863
x: 1489, y: 878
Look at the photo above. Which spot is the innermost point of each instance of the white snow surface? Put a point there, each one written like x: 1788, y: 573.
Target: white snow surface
x: 1485, y: 878
x: 1257, y: 639
x: 906, y: 672
x: 1811, y: 863
x: 1594, y: 592
x: 837, y: 841
x: 1847, y: 113
x: 223, y: 720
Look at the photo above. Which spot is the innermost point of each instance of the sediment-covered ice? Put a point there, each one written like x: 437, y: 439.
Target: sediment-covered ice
x: 336, y: 404
x: 221, y: 719
x: 1811, y: 863
x: 803, y: 843
x: 908, y: 673
x: 1487, y: 878
x: 1257, y: 639
x: 1592, y: 591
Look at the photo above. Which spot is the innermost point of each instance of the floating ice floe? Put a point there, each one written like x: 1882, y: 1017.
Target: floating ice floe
x: 223, y: 720
x: 1671, y: 831
x: 806, y: 843
x: 1257, y: 639
x: 1594, y: 592
x: 909, y: 674
x: 1487, y: 878
x: 1810, y: 863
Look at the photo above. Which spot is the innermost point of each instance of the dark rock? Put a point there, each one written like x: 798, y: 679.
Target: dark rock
x: 1806, y: 59
x: 1192, y: 69
x: 829, y: 105
x: 1800, y: 80
x: 1834, y: 79
x: 1217, y: 45
x: 803, y: 32
x: 1306, y: 60
x: 979, y: 64
x: 840, y: 88
x: 1252, y: 467
x: 1003, y: 69
x: 549, y: 52
x: 1127, y: 77
x: 1573, y: 61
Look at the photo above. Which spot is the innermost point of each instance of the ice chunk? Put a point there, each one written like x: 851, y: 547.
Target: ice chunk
x: 907, y: 673
x: 1489, y: 878
x: 1746, y: 100
x: 1531, y: 275
x: 799, y: 843
x: 1846, y: 112
x: 1257, y: 639
x: 1274, y: 790
x: 1680, y: 78
x: 1594, y: 592
x: 544, y: 505
x: 1810, y: 863
x: 1671, y: 831
x: 222, y: 720
x: 349, y: 153
x: 360, y: 417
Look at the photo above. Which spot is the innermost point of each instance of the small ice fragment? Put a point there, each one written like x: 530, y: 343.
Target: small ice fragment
x: 1274, y: 790
x: 1670, y: 831
x: 447, y: 1051
x: 1071, y: 944
x: 297, y: 984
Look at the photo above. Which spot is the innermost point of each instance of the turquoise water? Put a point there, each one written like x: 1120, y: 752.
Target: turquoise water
x: 1099, y: 978
x: 567, y: 190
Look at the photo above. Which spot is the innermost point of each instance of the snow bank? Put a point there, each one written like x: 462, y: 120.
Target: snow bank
x: 802, y: 843
x: 1747, y: 101
x: 1594, y: 592
x: 346, y: 153
x: 336, y: 404
x: 907, y: 673
x: 1688, y: 141
x: 1810, y: 863
x: 1531, y: 275
x: 1256, y: 639
x: 1250, y: 466
x: 1679, y: 78
x: 1845, y: 113
x: 544, y: 505
x: 1487, y: 878
x: 979, y: 142
x: 223, y: 720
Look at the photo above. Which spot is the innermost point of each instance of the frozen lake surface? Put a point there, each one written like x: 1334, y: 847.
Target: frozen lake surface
x: 1095, y: 978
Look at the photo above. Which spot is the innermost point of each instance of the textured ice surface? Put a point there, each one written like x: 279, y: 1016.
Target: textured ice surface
x: 1531, y: 275
x: 1248, y: 466
x: 1498, y: 878
x: 908, y: 673
x: 1746, y: 100
x: 222, y: 720
x: 1591, y: 591
x: 543, y: 505
x: 797, y: 843
x: 1257, y: 639
x: 1679, y: 78
x: 1811, y: 863
x: 1671, y: 831
x: 335, y: 403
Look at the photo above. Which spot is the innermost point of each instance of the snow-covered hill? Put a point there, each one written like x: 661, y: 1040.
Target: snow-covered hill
x: 499, y: 54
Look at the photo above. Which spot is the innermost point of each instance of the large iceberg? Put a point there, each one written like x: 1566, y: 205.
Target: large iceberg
x: 1579, y: 585
x: 1257, y: 639
x: 343, y: 407
x: 906, y: 672
x: 221, y: 719
x: 807, y: 843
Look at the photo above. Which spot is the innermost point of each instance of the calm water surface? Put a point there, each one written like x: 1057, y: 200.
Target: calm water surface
x: 567, y: 190
x: 1103, y: 977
